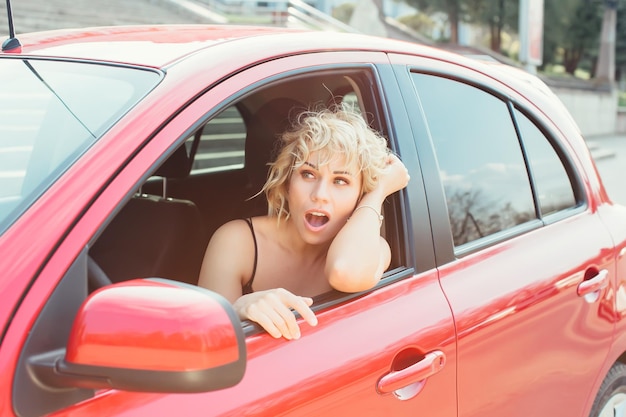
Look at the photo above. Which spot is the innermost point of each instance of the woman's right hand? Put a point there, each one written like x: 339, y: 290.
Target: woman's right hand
x: 274, y: 311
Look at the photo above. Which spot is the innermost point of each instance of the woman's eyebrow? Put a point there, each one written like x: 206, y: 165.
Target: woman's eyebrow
x: 342, y: 173
x: 312, y: 165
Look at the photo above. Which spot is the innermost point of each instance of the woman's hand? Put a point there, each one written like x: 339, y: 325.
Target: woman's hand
x: 274, y: 311
x: 395, y: 176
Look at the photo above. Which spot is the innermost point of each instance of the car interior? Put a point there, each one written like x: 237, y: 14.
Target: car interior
x: 216, y: 175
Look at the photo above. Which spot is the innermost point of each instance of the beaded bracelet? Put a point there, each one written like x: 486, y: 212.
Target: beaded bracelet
x: 380, y: 216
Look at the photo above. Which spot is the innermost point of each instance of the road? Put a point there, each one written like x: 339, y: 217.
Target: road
x: 610, y: 156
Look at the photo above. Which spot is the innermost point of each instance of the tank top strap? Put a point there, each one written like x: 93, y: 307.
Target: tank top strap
x: 247, y: 289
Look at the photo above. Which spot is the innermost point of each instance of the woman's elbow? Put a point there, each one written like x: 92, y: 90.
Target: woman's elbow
x: 347, y: 278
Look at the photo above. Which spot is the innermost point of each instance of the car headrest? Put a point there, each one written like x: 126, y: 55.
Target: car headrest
x: 178, y: 165
x: 269, y: 121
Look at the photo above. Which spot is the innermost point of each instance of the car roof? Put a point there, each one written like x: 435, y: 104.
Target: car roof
x: 146, y: 45
x: 160, y: 45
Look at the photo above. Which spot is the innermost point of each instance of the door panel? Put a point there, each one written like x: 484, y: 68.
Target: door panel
x: 390, y: 351
x: 334, y: 368
x: 530, y: 342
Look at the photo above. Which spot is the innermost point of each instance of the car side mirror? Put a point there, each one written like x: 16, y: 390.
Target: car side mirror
x: 151, y: 335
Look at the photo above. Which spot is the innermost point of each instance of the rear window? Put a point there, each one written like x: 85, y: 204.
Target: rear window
x: 50, y: 113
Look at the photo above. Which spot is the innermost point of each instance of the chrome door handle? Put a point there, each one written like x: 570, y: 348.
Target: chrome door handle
x: 590, y: 288
x: 429, y: 365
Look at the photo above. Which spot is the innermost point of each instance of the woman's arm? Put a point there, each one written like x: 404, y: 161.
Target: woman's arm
x: 228, y: 260
x: 228, y: 265
x: 358, y: 255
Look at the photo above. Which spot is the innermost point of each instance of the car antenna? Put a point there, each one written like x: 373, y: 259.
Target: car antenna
x: 12, y: 42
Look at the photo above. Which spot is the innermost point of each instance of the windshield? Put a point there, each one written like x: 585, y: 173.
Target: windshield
x: 50, y: 113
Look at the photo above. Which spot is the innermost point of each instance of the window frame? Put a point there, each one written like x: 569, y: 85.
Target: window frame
x: 446, y: 252
x: 395, y: 218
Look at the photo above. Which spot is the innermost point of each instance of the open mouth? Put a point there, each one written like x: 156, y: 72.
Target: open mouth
x: 316, y: 219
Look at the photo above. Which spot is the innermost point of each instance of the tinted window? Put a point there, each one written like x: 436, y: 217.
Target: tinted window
x: 552, y: 184
x: 480, y: 159
x: 50, y: 112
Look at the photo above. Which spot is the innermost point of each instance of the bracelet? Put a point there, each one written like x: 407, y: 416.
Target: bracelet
x: 380, y: 216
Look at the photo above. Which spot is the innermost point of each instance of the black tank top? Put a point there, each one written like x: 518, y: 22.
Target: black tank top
x: 247, y: 289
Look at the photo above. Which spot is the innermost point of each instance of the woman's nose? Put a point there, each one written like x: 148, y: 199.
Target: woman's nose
x: 320, y: 191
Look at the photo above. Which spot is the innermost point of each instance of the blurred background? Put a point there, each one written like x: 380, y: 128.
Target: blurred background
x: 578, y: 47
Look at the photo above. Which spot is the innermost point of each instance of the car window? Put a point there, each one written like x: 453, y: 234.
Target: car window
x: 481, y: 163
x: 221, y: 144
x: 229, y: 154
x: 552, y: 183
x: 51, y: 112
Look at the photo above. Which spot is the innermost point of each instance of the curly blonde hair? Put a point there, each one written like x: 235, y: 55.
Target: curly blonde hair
x: 330, y: 132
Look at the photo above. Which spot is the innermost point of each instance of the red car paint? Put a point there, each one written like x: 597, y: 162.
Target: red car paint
x: 527, y: 325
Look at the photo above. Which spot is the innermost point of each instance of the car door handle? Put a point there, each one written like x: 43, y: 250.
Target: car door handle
x: 589, y: 288
x: 429, y: 365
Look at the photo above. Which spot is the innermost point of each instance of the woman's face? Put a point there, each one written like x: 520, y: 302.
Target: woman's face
x: 321, y: 198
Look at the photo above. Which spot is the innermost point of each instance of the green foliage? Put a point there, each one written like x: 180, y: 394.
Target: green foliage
x: 497, y: 15
x: 343, y: 12
x: 571, y: 35
x: 419, y: 22
x: 581, y: 36
x: 454, y: 9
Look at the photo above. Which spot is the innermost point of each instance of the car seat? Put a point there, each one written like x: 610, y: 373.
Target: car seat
x: 262, y: 146
x: 154, y: 236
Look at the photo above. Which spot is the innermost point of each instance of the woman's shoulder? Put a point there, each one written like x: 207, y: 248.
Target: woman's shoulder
x: 234, y: 228
x: 238, y: 227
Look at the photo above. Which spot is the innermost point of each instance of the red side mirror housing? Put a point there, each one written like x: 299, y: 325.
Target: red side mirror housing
x: 151, y: 335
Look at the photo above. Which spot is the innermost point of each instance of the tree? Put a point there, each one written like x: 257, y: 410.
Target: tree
x: 581, y: 35
x: 571, y: 27
x: 571, y: 33
x: 497, y: 15
x: 454, y: 9
x: 554, y: 21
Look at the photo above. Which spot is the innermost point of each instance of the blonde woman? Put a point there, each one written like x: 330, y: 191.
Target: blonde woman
x: 325, y: 192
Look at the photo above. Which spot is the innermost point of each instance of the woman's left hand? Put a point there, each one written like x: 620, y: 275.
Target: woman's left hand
x: 395, y: 176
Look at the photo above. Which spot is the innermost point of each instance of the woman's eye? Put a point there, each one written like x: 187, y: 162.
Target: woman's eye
x: 341, y: 181
x: 307, y: 174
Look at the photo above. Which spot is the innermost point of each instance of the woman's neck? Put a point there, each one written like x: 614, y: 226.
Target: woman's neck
x: 292, y: 242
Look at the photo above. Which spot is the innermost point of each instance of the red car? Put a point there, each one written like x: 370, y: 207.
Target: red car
x: 124, y: 148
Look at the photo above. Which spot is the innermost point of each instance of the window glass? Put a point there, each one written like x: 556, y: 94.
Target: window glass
x: 50, y: 112
x: 221, y: 146
x: 552, y: 184
x: 351, y: 100
x: 480, y: 160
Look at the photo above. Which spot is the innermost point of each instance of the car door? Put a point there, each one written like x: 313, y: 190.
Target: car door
x: 522, y: 254
x: 390, y: 350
